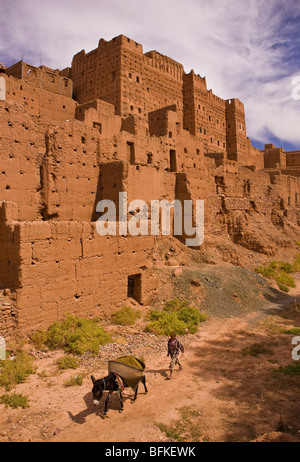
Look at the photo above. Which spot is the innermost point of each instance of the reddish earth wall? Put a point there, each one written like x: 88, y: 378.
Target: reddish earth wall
x: 137, y: 124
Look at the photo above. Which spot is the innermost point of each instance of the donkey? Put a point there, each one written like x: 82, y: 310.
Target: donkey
x: 110, y: 384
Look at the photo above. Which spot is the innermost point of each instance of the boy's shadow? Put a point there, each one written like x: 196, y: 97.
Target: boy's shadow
x: 162, y: 372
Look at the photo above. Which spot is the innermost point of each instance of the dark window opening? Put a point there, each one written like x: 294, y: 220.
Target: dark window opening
x: 173, y: 166
x: 149, y: 158
x: 98, y: 126
x: 130, y: 153
x: 134, y: 287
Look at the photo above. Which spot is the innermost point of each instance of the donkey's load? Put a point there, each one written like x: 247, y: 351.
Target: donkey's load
x: 129, y: 368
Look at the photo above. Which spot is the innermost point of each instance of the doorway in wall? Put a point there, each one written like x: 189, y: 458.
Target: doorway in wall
x: 130, y: 153
x: 173, y: 166
x: 134, y: 287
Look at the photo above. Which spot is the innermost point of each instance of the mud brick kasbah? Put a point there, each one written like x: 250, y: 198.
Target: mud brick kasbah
x: 117, y: 121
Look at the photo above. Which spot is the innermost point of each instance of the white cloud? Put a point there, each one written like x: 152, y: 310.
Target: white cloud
x: 237, y: 44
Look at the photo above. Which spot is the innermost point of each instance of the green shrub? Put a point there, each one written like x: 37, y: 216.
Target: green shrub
x: 294, y: 331
x: 175, y: 305
x: 77, y: 380
x: 165, y: 324
x: 285, y: 279
x: 257, y: 349
x: 283, y: 287
x: 67, y: 362
x: 176, y: 316
x: 281, y: 272
x: 14, y: 400
x: 291, y: 369
x: 296, y: 264
x: 266, y: 271
x: 16, y: 371
x: 191, y: 317
x: 39, y: 339
x: 74, y: 335
x: 126, y: 316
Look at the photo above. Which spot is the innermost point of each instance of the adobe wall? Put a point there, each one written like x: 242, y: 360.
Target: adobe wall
x: 8, y: 319
x: 204, y: 113
x: 138, y: 84
x: 119, y: 73
x: 70, y: 172
x: 42, y: 78
x: 236, y: 144
x: 48, y: 106
x: 293, y: 159
x: 68, y: 268
x: 274, y: 157
x: 9, y: 243
x: 22, y: 146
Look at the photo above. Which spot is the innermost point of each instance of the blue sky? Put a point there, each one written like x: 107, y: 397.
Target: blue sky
x: 249, y: 49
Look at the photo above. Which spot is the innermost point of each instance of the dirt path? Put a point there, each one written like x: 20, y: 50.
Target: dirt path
x: 223, y: 393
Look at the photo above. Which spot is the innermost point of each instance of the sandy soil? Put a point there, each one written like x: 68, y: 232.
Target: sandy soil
x: 222, y: 394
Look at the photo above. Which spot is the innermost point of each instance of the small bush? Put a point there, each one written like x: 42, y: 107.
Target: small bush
x: 294, y: 331
x: 281, y: 272
x: 257, y: 349
x: 16, y: 371
x: 267, y: 271
x: 191, y: 317
x: 285, y: 279
x: 296, y: 264
x: 291, y: 369
x: 43, y: 374
x: 283, y: 287
x: 126, y: 316
x: 39, y: 339
x: 175, y: 305
x: 67, y: 362
x: 165, y: 323
x: 176, y: 316
x: 74, y: 335
x: 77, y: 380
x: 14, y: 400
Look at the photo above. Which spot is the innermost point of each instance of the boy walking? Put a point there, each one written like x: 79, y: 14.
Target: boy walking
x: 174, y: 348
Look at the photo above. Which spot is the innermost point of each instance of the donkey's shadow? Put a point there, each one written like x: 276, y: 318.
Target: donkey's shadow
x: 80, y: 418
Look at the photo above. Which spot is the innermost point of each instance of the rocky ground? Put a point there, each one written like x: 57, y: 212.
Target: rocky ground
x: 224, y: 393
